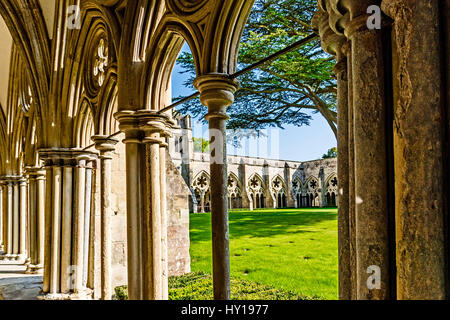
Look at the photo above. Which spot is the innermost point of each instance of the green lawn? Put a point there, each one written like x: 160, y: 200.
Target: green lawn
x: 290, y: 249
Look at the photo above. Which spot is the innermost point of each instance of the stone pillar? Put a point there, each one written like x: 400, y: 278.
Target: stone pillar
x: 64, y: 263
x: 36, y: 218
x: 202, y: 202
x: 345, y: 287
x: 145, y: 139
x: 217, y: 93
x: 14, y: 206
x: 351, y: 176
x: 1, y: 217
x: 419, y: 142
x: 106, y: 147
x: 163, y: 151
x: 369, y: 107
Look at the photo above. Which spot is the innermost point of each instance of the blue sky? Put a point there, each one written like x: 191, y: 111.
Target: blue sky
x: 293, y: 143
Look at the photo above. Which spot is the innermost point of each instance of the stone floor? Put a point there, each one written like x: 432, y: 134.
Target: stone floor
x: 16, y: 285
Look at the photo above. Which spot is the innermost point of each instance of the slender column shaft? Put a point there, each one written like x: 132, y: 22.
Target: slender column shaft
x: 40, y: 212
x: 9, y: 219
x: 32, y: 228
x: 87, y: 223
x: 55, y: 266
x: 66, y: 241
x: 219, y: 211
x: 372, y: 243
x: 16, y: 218
x: 106, y: 147
x: 48, y: 227
x: 134, y: 219
x: 202, y: 203
x: 92, y: 281
x: 164, y: 223
x: 105, y: 197
x: 2, y: 232
x: 23, y: 218
x: 78, y: 224
x: 343, y: 179
x: 36, y: 210
x: 153, y: 224
x: 351, y: 178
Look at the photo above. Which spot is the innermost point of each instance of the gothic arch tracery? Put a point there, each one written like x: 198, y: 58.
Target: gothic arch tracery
x: 256, y: 191
x: 202, y: 191
x: 279, y: 192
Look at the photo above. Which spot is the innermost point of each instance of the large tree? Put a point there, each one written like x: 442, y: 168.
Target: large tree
x: 279, y: 92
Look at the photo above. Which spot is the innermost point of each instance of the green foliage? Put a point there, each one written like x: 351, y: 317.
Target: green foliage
x: 332, y: 153
x: 121, y: 293
x: 199, y: 286
x: 201, y: 145
x: 278, y: 93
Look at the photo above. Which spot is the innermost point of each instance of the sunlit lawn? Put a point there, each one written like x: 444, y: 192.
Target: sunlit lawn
x: 291, y: 249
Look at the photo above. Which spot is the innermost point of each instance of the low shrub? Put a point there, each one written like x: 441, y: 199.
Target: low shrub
x: 199, y: 286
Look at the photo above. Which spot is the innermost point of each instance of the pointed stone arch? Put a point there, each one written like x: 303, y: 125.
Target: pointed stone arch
x: 234, y: 192
x: 202, y: 191
x: 256, y: 191
x: 84, y: 127
x: 313, y: 192
x: 278, y: 191
x: 331, y: 190
x: 28, y: 29
x: 297, y: 188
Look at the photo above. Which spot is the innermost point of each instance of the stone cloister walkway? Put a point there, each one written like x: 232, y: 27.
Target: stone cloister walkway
x: 16, y: 285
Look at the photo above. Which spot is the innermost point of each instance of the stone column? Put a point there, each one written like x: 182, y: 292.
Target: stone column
x: 351, y: 176
x: 164, y: 222
x: 345, y: 287
x: 369, y: 107
x: 217, y: 93
x: 14, y: 206
x: 64, y: 224
x: 419, y: 141
x: 106, y: 147
x: 145, y: 133
x: 88, y: 219
x: 202, y: 202
x: 36, y: 213
x: 1, y: 217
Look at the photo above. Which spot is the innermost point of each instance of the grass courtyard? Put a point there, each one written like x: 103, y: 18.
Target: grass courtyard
x: 290, y: 249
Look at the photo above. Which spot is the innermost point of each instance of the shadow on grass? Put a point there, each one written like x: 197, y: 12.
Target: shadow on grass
x: 263, y: 223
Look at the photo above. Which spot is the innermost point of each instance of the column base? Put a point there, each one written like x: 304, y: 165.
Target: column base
x: 81, y: 296
x: 34, y: 269
x: 12, y: 259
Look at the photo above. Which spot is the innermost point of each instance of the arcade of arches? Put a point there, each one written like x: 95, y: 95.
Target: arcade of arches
x: 67, y: 85
x: 254, y: 183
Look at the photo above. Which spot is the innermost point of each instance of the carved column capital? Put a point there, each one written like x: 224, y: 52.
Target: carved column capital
x: 358, y: 16
x: 66, y: 156
x: 12, y: 179
x: 105, y: 145
x: 217, y: 93
x: 34, y: 172
x: 144, y: 125
x: 332, y: 36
